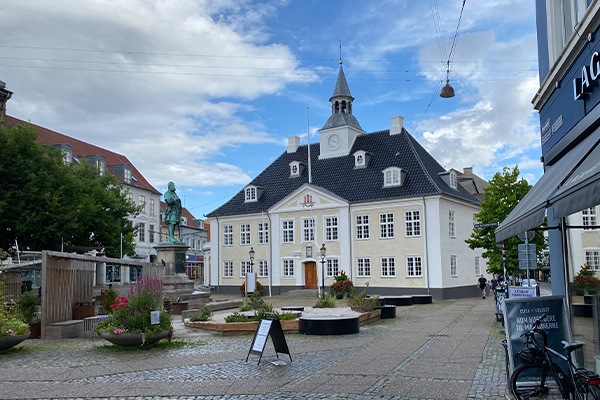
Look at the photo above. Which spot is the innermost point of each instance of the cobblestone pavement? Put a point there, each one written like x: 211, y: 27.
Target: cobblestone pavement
x: 445, y: 350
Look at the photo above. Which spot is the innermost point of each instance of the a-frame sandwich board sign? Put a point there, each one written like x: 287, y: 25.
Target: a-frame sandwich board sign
x: 269, y: 324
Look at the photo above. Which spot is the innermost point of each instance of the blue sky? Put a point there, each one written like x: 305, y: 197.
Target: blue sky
x: 205, y: 93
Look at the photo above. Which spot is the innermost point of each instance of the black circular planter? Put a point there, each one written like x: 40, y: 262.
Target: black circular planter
x: 422, y: 299
x: 388, y: 311
x: 329, y: 325
x: 396, y: 300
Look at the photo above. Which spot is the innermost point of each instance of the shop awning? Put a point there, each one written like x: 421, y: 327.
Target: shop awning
x: 531, y: 210
x: 582, y: 188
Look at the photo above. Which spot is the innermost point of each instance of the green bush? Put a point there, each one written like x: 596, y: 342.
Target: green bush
x: 257, y: 302
x: 325, y: 302
x: 245, y: 307
x: 9, y: 325
x: 359, y: 302
x: 109, y: 299
x: 26, y: 309
x: 287, y: 316
x: 204, y: 316
x: 237, y: 317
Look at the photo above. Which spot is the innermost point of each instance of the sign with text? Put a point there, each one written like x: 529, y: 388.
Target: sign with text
x: 269, y: 325
x: 515, y: 292
x: 521, y: 313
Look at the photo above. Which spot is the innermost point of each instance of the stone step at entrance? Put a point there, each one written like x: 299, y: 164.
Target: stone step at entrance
x: 301, y: 293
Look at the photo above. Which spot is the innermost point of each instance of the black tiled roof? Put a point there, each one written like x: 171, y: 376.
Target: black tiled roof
x: 339, y: 176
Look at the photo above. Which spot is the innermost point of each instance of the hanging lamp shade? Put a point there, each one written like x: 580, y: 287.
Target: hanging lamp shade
x: 447, y: 91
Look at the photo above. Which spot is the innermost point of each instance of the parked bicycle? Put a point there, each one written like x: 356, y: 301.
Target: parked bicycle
x: 540, y: 377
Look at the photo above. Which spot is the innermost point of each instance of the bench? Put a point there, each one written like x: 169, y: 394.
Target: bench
x: 65, y: 330
x: 329, y: 325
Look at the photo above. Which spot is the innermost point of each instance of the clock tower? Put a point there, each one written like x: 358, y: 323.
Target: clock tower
x: 340, y: 130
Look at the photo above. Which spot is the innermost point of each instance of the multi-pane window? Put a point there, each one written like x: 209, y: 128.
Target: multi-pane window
x: 130, y: 197
x: 142, y: 232
x: 363, y: 267
x: 331, y: 228
x: 362, y: 227
x: 333, y: 267
x: 288, y: 267
x: 244, y: 234
x: 477, y: 267
x: 143, y: 203
x: 151, y: 206
x: 263, y: 232
x: 245, y: 267
x: 388, y: 266
x: 151, y: 233
x: 414, y: 267
x: 227, y: 235
x: 386, y: 225
x: 227, y: 269
x: 412, y: 220
x: 453, y: 270
x: 451, y: 224
x: 589, y: 217
x: 251, y: 194
x: 127, y: 175
x: 453, y: 180
x: 308, y: 229
x: 592, y: 258
x: 263, y: 268
x: 392, y: 177
x: 287, y: 231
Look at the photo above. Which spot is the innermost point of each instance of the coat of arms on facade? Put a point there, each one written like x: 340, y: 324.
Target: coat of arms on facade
x: 308, y: 201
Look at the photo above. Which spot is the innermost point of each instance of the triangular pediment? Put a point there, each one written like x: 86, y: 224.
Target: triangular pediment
x: 308, y: 197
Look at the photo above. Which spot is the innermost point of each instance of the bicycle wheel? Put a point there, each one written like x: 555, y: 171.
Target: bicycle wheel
x: 529, y: 382
x: 586, y: 391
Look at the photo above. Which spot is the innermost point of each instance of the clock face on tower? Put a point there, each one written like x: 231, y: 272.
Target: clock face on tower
x: 333, y: 141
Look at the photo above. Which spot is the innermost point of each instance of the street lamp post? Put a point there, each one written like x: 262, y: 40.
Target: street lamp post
x: 323, y: 251
x: 251, y: 253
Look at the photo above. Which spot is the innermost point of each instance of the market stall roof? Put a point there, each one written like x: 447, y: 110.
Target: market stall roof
x: 554, y: 187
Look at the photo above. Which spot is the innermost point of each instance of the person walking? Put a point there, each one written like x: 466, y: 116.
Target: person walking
x: 482, y: 283
x: 494, y: 284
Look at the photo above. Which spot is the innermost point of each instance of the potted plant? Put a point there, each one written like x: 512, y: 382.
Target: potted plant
x: 342, y: 285
x: 585, y: 282
x: 26, y: 310
x: 130, y: 322
x: 178, y: 306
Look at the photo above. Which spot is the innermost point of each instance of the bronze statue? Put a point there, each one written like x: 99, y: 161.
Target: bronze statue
x: 173, y: 211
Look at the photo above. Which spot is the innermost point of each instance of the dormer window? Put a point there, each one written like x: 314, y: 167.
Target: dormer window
x: 100, y: 167
x: 67, y: 152
x: 127, y: 175
x: 393, y: 176
x: 453, y: 180
x: 296, y: 169
x: 361, y: 159
x: 252, y: 194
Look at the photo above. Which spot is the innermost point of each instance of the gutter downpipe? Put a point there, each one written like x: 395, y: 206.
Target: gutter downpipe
x: 218, y: 258
x: 426, y: 249
x: 270, y: 254
x: 350, y: 241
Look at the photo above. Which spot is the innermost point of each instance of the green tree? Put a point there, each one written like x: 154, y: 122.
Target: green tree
x: 45, y: 203
x: 504, y: 193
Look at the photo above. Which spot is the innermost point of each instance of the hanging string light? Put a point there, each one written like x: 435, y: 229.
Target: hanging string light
x: 448, y: 91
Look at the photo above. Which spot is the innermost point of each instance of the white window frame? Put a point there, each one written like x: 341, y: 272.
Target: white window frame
x: 287, y: 268
x: 263, y: 268
x: 142, y: 232
x: 263, y: 233
x: 362, y: 227
x: 142, y: 201
x: 151, y: 206
x: 414, y: 267
x: 308, y: 231
x: 592, y: 258
x: 392, y: 177
x: 151, y: 233
x: 332, y: 266
x: 477, y: 266
x: 244, y: 234
x: 589, y: 217
x: 388, y: 269
x: 331, y: 228
x: 250, y: 194
x: 453, y: 266
x: 363, y: 267
x: 412, y: 223
x: 386, y: 225
x: 127, y: 174
x: 451, y: 224
x: 287, y: 231
x: 227, y: 269
x: 227, y: 235
x: 245, y: 267
x: 453, y: 180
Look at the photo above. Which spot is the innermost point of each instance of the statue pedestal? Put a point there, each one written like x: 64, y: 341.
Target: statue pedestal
x: 175, y: 280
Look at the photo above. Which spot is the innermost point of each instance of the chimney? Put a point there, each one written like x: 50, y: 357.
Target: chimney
x: 396, y: 126
x: 468, y: 170
x: 4, y: 96
x: 293, y: 143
